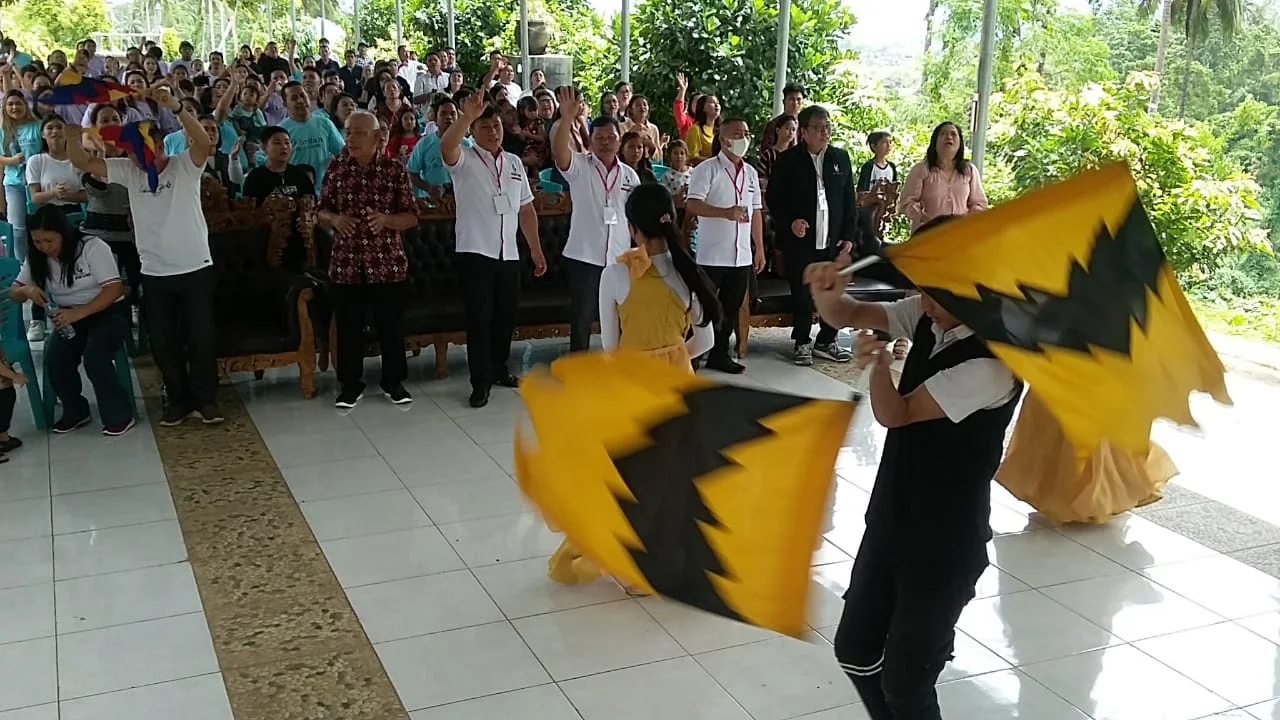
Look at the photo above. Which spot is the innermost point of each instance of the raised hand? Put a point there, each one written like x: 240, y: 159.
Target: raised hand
x: 568, y: 99
x: 682, y: 83
x: 473, y: 106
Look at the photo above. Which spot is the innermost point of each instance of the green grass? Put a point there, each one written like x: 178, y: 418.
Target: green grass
x: 1255, y: 318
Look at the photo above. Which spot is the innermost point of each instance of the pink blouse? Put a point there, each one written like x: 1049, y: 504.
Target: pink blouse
x: 929, y: 193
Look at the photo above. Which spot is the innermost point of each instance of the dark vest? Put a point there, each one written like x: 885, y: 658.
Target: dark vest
x: 932, y: 497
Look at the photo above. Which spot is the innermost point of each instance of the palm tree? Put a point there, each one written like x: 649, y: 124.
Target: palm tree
x: 1197, y: 16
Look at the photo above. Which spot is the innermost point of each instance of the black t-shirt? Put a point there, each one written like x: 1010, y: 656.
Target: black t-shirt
x: 324, y: 65
x: 294, y: 182
x: 352, y: 80
x: 267, y: 65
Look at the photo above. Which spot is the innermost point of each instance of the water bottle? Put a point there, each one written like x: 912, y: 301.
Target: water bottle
x: 66, y: 331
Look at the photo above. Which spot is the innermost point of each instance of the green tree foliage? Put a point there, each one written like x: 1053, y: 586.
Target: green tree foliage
x: 728, y: 48
x: 1204, y: 209
x: 40, y: 26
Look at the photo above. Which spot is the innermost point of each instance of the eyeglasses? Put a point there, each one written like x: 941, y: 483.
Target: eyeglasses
x: 825, y: 127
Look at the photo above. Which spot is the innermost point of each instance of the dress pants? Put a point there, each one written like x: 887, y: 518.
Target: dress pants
x: 584, y: 296
x: 179, y: 316
x: 898, y: 630
x: 797, y: 259
x: 353, y: 304
x: 490, y: 289
x: 97, y: 340
x: 731, y: 287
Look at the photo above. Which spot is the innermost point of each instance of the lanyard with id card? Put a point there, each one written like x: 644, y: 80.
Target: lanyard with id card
x: 610, y: 211
x: 738, y: 187
x: 503, y: 204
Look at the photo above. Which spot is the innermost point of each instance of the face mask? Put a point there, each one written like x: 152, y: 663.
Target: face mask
x: 739, y: 147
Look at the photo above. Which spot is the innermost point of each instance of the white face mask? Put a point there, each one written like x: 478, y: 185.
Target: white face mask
x: 739, y: 147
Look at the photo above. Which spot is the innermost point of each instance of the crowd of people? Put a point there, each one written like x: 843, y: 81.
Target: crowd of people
x: 269, y: 123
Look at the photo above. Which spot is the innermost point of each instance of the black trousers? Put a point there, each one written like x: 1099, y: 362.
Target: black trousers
x: 898, y: 630
x: 731, y: 287
x: 179, y: 316
x: 584, y: 297
x: 797, y: 259
x: 355, y: 303
x: 8, y: 398
x: 96, y: 343
x: 490, y: 289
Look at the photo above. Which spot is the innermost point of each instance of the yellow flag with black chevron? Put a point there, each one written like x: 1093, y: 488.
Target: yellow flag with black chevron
x: 709, y: 494
x: 1069, y: 287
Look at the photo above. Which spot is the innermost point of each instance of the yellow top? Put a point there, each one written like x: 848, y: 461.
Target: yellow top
x: 699, y: 139
x: 653, y: 319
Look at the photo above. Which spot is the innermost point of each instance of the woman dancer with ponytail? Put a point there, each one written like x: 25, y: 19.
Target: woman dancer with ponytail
x: 654, y: 300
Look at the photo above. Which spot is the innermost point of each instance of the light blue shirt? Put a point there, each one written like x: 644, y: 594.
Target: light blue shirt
x: 315, y: 143
x: 26, y: 140
x: 176, y: 142
x: 425, y: 162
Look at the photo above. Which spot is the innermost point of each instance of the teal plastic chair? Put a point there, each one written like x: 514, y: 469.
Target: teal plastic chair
x: 658, y: 171
x: 6, y: 229
x: 547, y: 186
x: 13, y: 338
x: 545, y: 175
x: 121, y: 361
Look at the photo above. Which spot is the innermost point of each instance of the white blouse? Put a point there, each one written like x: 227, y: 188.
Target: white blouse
x: 615, y: 285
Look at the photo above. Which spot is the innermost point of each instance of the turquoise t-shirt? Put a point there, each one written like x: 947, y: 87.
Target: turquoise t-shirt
x: 26, y: 140
x: 425, y: 162
x: 176, y: 142
x: 20, y: 60
x: 315, y: 143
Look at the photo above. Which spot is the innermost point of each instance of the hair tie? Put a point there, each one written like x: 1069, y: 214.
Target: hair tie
x: 666, y: 218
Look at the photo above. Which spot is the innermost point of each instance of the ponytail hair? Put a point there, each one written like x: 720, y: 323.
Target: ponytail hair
x: 651, y: 211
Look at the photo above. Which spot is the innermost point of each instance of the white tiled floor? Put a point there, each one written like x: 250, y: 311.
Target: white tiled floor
x: 444, y: 564
x: 99, y: 614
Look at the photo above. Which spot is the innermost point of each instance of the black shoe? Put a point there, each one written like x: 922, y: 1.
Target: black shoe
x: 350, y: 395
x: 174, y: 414
x: 508, y: 381
x: 397, y: 394
x: 479, y: 397
x: 725, y: 365
x: 10, y: 445
x: 118, y: 430
x: 66, y: 424
x: 209, y: 414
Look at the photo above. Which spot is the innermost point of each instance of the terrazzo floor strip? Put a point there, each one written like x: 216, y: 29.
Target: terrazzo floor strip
x: 288, y: 643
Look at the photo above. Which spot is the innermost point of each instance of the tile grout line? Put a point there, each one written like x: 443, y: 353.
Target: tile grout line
x: 285, y: 637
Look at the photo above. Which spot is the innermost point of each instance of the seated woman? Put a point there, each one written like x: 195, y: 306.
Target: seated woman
x: 1040, y: 469
x: 77, y: 280
x: 655, y: 300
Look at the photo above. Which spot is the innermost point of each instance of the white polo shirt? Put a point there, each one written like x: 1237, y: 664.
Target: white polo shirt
x: 598, y: 226
x: 973, y: 385
x: 721, y: 242
x: 489, y: 193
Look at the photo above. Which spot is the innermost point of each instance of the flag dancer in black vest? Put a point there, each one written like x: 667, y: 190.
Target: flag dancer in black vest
x: 927, y: 522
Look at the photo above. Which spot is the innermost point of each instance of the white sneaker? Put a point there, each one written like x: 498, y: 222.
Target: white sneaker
x: 35, y: 331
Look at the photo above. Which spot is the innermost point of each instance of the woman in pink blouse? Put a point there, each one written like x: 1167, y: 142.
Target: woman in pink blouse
x: 945, y: 183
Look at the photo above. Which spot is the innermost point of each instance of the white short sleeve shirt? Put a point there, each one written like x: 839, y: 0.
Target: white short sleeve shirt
x: 168, y: 224
x: 95, y: 268
x: 973, y: 385
x: 598, y: 224
x: 721, y: 242
x: 489, y: 192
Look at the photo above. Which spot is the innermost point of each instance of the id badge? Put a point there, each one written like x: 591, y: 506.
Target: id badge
x: 610, y: 215
x: 822, y: 201
x: 503, y: 205
x: 745, y: 216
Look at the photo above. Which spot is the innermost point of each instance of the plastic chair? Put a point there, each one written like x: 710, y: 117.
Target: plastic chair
x: 658, y: 171
x: 547, y: 186
x: 13, y: 338
x: 545, y: 175
x: 6, y: 229
x: 121, y: 361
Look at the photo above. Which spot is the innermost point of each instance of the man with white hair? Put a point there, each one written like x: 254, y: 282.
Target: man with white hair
x: 367, y: 200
